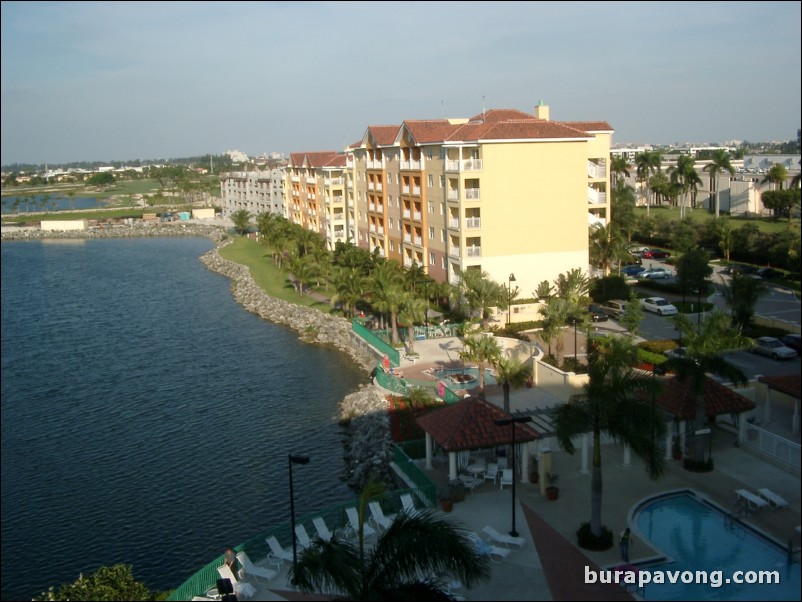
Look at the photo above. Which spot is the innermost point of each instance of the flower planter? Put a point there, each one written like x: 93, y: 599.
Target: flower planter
x: 446, y: 505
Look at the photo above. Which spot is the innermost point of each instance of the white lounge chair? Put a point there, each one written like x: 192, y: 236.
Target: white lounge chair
x: 277, y: 553
x: 255, y: 571
x: 752, y: 501
x: 503, y: 539
x: 353, y: 523
x: 378, y: 516
x: 409, y: 504
x: 484, y: 548
x: 241, y: 588
x: 772, y: 498
x: 322, y: 528
x: 506, y: 478
x: 303, y: 537
x: 491, y: 474
x: 469, y: 481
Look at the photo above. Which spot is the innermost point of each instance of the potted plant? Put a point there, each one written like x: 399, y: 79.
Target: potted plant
x: 552, y: 491
x: 534, y: 474
x: 445, y: 494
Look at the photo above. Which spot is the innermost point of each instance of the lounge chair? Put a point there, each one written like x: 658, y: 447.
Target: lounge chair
x: 484, y: 548
x: 303, y: 537
x: 241, y: 588
x: 752, y: 501
x: 277, y: 554
x: 378, y: 516
x: 491, y: 474
x: 469, y: 481
x: 353, y: 523
x: 322, y: 528
x: 255, y: 571
x: 506, y: 478
x: 503, y: 539
x: 772, y: 498
x: 409, y: 504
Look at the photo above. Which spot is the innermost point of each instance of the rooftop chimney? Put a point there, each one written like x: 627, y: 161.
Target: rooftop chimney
x: 542, y: 110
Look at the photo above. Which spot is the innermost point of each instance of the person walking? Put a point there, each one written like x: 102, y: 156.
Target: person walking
x: 625, y: 541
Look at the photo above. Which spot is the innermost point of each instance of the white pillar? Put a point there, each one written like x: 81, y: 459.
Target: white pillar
x: 428, y: 451
x: 627, y: 455
x: 585, y: 452
x: 452, y: 466
x: 669, y: 438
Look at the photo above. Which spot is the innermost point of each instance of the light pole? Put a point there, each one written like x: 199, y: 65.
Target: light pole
x: 510, y: 280
x: 294, y: 460
x: 505, y: 422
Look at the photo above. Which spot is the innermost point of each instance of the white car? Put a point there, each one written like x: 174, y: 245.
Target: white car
x: 655, y: 273
x: 773, y: 348
x: 659, y: 306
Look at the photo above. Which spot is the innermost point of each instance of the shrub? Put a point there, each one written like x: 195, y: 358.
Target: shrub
x: 570, y: 364
x: 588, y: 541
x: 658, y: 346
x: 609, y: 287
x: 651, y: 358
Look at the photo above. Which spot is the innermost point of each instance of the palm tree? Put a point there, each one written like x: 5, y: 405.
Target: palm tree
x: 611, y: 406
x: 241, y: 219
x: 387, y: 292
x: 606, y: 244
x: 511, y: 374
x: 555, y: 316
x: 619, y: 167
x: 412, y: 560
x: 719, y: 163
x: 350, y: 287
x: 481, y: 293
x: 725, y: 232
x: 777, y: 175
x: 681, y: 174
x: 304, y: 271
x: 741, y: 296
x: 647, y: 164
x: 483, y: 350
x: 704, y: 349
x: 412, y: 312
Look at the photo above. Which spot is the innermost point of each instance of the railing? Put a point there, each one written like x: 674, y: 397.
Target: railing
x: 417, y: 216
x: 473, y: 251
x: 596, y: 197
x: 310, y: 180
x: 453, y: 195
x: 596, y: 171
x: 374, y: 164
x: 454, y: 253
x: 453, y: 223
x: 471, y: 193
x: 416, y: 191
x: 473, y: 222
x: 472, y: 165
x: 381, y: 346
x: 405, y: 189
x: 773, y: 445
x: 403, y: 454
x: 419, y: 241
x: 411, y: 164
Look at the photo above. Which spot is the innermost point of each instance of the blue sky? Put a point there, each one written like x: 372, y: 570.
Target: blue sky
x: 86, y: 81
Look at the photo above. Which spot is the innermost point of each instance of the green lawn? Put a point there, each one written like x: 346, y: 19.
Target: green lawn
x: 699, y: 216
x: 265, y: 273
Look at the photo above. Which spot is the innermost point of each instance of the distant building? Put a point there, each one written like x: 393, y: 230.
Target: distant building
x: 255, y: 191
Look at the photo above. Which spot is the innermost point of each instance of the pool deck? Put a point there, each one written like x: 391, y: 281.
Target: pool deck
x: 551, y: 566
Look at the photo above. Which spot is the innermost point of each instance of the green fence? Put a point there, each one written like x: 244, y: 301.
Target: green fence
x: 403, y: 454
x: 402, y: 386
x: 383, y: 346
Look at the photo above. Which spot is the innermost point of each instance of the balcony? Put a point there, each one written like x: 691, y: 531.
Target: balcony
x: 416, y: 191
x: 373, y: 164
x: 333, y: 181
x: 371, y: 186
x: 453, y: 195
x: 407, y: 262
x: 417, y: 216
x: 466, y: 165
x: 372, y: 228
x: 473, y: 251
x: 596, y: 170
x: 371, y: 206
x: 471, y: 193
x: 453, y: 223
x: 381, y: 231
x: 379, y: 186
x: 310, y: 180
x: 419, y: 241
x: 405, y: 189
x: 473, y: 222
x: 596, y: 197
x: 407, y: 214
x: 407, y: 238
x: 412, y: 164
x: 454, y: 253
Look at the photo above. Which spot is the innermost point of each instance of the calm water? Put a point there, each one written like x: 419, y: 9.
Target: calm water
x: 698, y: 538
x: 146, y: 417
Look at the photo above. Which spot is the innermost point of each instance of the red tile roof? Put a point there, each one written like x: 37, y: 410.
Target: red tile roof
x: 430, y: 130
x: 790, y: 384
x: 589, y: 126
x: 320, y: 158
x: 383, y: 135
x: 496, y: 115
x: 678, y: 399
x: 470, y: 424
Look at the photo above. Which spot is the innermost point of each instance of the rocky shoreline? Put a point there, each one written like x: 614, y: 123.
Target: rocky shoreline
x: 368, y: 450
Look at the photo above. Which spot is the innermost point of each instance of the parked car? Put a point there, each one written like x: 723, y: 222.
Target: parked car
x: 632, y: 270
x: 794, y: 341
x: 659, y: 306
x: 769, y: 273
x: 676, y: 353
x: 773, y: 348
x: 596, y: 313
x: 655, y: 274
x: 614, y: 308
x: 656, y: 254
x: 638, y: 249
x: 739, y: 268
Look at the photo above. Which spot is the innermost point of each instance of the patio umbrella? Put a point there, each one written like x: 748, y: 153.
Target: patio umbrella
x: 431, y: 314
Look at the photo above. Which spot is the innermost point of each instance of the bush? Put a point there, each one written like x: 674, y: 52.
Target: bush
x: 651, y: 358
x: 570, y: 364
x: 588, y: 541
x: 658, y: 346
x: 609, y: 287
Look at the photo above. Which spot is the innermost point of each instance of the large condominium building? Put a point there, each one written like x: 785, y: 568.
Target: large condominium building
x: 505, y: 192
x: 315, y: 193
x: 254, y: 191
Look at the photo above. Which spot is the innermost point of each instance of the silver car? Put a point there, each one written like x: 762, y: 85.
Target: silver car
x: 659, y: 306
x: 773, y: 348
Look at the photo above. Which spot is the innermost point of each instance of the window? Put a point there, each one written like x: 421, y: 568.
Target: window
x: 432, y: 259
x: 443, y: 263
x: 431, y: 233
x: 431, y: 207
x: 390, y: 199
x: 390, y: 223
x: 442, y: 208
x: 442, y: 236
x: 392, y: 246
x: 430, y: 180
x: 398, y: 202
x: 398, y: 178
x: 442, y: 181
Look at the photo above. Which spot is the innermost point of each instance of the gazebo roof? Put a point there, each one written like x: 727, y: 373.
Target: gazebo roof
x: 471, y: 424
x: 678, y: 399
x: 790, y: 384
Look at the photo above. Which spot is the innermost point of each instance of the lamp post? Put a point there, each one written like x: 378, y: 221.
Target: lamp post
x: 510, y: 280
x: 294, y: 460
x: 505, y: 422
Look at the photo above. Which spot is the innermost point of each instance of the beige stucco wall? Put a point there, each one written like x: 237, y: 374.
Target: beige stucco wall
x: 61, y: 225
x: 205, y: 213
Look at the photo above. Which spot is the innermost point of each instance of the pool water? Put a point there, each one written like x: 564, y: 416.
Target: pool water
x: 472, y: 375
x: 698, y: 538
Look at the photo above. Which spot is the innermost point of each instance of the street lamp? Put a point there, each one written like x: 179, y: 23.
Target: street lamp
x: 294, y: 460
x: 510, y: 280
x: 505, y: 422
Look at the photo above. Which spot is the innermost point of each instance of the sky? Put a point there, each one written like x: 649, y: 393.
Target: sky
x: 105, y: 81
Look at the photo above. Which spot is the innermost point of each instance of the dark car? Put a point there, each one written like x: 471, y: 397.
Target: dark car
x: 656, y: 254
x: 596, y: 313
x: 769, y: 273
x: 739, y: 268
x: 632, y: 270
x: 794, y: 341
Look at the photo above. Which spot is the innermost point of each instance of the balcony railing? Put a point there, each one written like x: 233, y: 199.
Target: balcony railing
x: 407, y: 262
x: 379, y: 186
x: 310, y: 180
x: 371, y: 206
x: 381, y: 231
x: 471, y: 193
x: 405, y: 189
x: 473, y: 222
x: 453, y: 223
x: 374, y: 164
x: 419, y: 241
x: 465, y: 165
x: 371, y: 186
x: 454, y: 253
x: 453, y: 195
x: 407, y: 238
x: 372, y: 228
x: 416, y: 191
x: 596, y: 170
x: 473, y: 251
x: 296, y: 179
x: 406, y: 213
x: 596, y: 197
x: 412, y: 164
x: 417, y: 216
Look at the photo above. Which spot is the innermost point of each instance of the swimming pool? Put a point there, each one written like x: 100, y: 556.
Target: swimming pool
x: 454, y: 376
x: 700, y: 537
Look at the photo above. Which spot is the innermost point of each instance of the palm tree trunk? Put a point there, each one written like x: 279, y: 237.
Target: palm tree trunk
x: 506, y: 388
x: 596, y: 486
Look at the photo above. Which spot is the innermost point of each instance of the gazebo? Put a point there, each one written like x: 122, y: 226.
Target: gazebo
x: 784, y: 384
x: 678, y: 400
x: 470, y: 424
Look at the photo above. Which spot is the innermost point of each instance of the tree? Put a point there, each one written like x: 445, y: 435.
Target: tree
x: 647, y: 164
x: 412, y: 560
x: 241, y: 219
x: 387, y: 292
x: 693, y: 270
x: 724, y: 230
x: 481, y: 293
x: 619, y: 168
x: 104, y: 178
x: 606, y: 245
x: 683, y: 174
x: 633, y: 313
x: 611, y: 406
x: 781, y: 202
x: 511, y: 374
x: 107, y: 583
x: 544, y: 290
x: 705, y: 347
x: 483, y: 350
x: 413, y: 311
x: 350, y: 286
x: 741, y: 296
x: 719, y: 163
x: 777, y: 175
x: 555, y: 316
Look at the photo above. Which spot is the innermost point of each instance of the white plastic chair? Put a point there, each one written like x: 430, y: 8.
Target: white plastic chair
x: 495, y: 553
x: 409, y: 504
x: 378, y: 516
x: 277, y: 553
x: 353, y: 523
x: 503, y: 539
x: 256, y: 571
x: 322, y: 528
x: 506, y: 478
x: 491, y: 474
x: 241, y: 588
x: 302, y: 536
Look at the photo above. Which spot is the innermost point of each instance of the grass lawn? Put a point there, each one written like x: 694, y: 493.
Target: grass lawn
x: 766, y: 224
x: 265, y: 273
